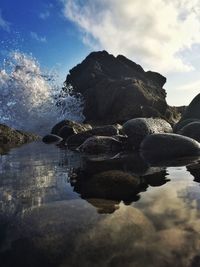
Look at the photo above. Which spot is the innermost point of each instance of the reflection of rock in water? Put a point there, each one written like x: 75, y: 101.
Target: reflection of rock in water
x: 156, y: 179
x: 47, y: 235
x: 104, y: 205
x: 115, y: 179
x: 113, y: 184
x: 47, y: 226
x: 131, y: 162
x: 194, y: 170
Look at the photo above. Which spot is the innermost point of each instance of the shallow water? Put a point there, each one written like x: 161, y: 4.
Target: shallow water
x: 51, y: 213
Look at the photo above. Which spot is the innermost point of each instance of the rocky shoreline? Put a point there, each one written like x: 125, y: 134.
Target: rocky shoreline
x: 10, y: 138
x: 125, y: 110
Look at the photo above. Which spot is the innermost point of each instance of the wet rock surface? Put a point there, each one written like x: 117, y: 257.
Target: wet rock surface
x: 67, y: 128
x: 191, y: 114
x: 165, y: 146
x: 138, y: 129
x: 191, y: 130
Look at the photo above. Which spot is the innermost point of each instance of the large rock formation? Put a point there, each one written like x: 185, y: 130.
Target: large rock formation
x: 116, y: 89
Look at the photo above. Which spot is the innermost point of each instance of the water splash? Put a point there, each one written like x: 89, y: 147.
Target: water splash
x: 32, y: 100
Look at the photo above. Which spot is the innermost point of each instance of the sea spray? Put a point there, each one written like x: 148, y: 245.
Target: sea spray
x: 32, y: 100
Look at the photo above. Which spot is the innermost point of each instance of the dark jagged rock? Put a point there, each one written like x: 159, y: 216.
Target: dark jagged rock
x: 138, y: 129
x: 167, y: 146
x: 191, y: 130
x: 116, y: 89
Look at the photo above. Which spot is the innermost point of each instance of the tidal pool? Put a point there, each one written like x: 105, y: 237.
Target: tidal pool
x: 52, y: 213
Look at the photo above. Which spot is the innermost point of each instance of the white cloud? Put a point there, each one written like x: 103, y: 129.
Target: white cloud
x: 192, y: 87
x: 154, y: 33
x: 35, y: 36
x: 44, y: 15
x: 5, y: 25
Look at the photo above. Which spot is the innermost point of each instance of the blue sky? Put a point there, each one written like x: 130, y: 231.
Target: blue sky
x: 161, y: 35
x: 40, y: 28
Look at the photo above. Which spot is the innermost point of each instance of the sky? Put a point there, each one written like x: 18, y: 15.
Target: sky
x: 160, y: 35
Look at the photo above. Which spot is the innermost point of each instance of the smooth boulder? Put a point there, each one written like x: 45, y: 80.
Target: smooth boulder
x: 182, y: 123
x: 77, y: 139
x: 193, y: 110
x: 52, y: 139
x: 138, y: 129
x: 168, y: 145
x: 191, y: 130
x: 101, y: 144
x: 191, y: 114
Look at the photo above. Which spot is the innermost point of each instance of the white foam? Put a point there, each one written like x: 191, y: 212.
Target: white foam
x: 29, y: 98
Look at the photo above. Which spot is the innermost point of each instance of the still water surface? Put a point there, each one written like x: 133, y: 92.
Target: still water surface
x: 52, y: 215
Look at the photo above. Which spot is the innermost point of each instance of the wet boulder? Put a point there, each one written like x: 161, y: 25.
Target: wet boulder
x: 168, y: 145
x: 191, y: 130
x: 76, y: 140
x: 193, y: 110
x: 191, y: 114
x: 67, y: 128
x: 101, y: 144
x: 52, y: 139
x: 182, y: 123
x: 138, y: 129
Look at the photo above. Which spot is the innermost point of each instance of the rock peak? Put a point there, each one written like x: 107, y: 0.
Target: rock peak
x: 117, y: 89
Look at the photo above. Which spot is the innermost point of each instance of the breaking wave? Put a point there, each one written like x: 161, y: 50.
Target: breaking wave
x: 30, y: 99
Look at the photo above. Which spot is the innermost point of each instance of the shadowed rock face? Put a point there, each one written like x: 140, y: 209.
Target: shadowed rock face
x: 116, y: 89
